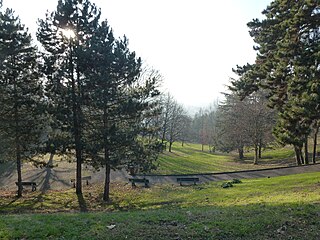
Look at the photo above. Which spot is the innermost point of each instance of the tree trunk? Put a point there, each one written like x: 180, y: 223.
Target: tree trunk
x: 256, y: 154
x: 301, y: 155
x: 164, y: 131
x: 170, y: 146
x: 202, y: 147
x: 306, y: 152
x: 260, y: 149
x: 315, y: 144
x: 182, y: 143
x: 298, y: 155
x: 18, y: 156
x: 241, y: 155
x: 76, y: 125
x: 17, y: 146
x: 79, y: 164
x: 163, y: 138
x: 106, y: 193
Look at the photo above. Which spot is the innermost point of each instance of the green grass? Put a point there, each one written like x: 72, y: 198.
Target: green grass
x: 190, y: 159
x: 270, y: 208
x: 284, y: 155
x: 249, y: 222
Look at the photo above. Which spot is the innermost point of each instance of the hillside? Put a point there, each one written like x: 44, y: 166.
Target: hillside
x: 270, y: 208
x: 284, y: 207
x: 190, y: 159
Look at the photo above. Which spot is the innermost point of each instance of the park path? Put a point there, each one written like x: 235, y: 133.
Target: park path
x: 259, y: 173
x: 59, y: 177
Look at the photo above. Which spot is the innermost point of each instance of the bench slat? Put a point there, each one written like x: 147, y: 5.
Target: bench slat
x: 187, y: 179
x: 32, y: 184
x: 139, y: 180
x: 86, y: 178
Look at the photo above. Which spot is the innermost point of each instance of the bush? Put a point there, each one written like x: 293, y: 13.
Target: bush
x: 235, y: 181
x: 226, y: 185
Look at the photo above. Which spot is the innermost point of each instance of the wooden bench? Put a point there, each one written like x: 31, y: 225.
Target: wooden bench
x: 32, y: 184
x: 139, y: 180
x: 86, y: 178
x: 187, y: 179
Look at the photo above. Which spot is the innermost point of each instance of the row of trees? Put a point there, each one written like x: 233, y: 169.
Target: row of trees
x: 279, y: 93
x: 174, y: 121
x: 171, y: 125
x: 84, y: 94
x: 233, y: 125
x: 246, y: 123
x: 287, y: 67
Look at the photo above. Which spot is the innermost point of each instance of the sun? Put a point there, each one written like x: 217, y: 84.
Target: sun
x: 68, y: 33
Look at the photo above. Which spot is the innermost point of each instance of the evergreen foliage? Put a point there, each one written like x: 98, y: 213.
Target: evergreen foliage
x: 96, y: 96
x: 21, y: 114
x: 119, y: 100
x: 287, y: 66
x: 64, y: 35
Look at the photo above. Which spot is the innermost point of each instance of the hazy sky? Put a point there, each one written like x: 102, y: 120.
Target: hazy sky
x: 193, y: 43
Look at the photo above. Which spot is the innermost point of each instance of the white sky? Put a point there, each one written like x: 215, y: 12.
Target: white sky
x: 193, y: 43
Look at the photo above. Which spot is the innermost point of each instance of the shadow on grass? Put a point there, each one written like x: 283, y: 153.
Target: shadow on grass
x: 125, y: 203
x: 120, y: 206
x: 82, y: 203
x: 157, y: 204
x: 46, y: 184
x: 266, y: 160
x: 173, y: 153
x: 7, y: 170
x: 253, y: 221
x: 9, y: 205
x: 48, y: 175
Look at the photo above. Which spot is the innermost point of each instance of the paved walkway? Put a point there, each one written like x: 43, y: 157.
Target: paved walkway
x: 261, y: 173
x: 59, y: 176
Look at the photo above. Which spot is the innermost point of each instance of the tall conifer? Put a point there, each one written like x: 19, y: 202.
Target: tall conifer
x: 20, y: 91
x: 287, y: 66
x: 64, y: 35
x: 118, y: 100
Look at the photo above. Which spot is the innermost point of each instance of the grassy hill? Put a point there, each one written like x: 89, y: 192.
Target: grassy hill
x: 266, y: 208
x: 190, y: 159
x: 271, y: 208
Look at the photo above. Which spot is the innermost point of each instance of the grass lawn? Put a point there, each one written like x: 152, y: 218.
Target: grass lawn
x: 190, y: 159
x: 271, y: 208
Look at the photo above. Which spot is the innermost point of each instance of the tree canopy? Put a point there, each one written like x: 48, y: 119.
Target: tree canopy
x: 286, y: 66
x: 20, y: 93
x: 95, y: 92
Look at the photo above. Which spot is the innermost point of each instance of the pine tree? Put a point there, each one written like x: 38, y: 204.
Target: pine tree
x: 20, y: 91
x: 64, y: 35
x: 287, y: 66
x: 118, y: 102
